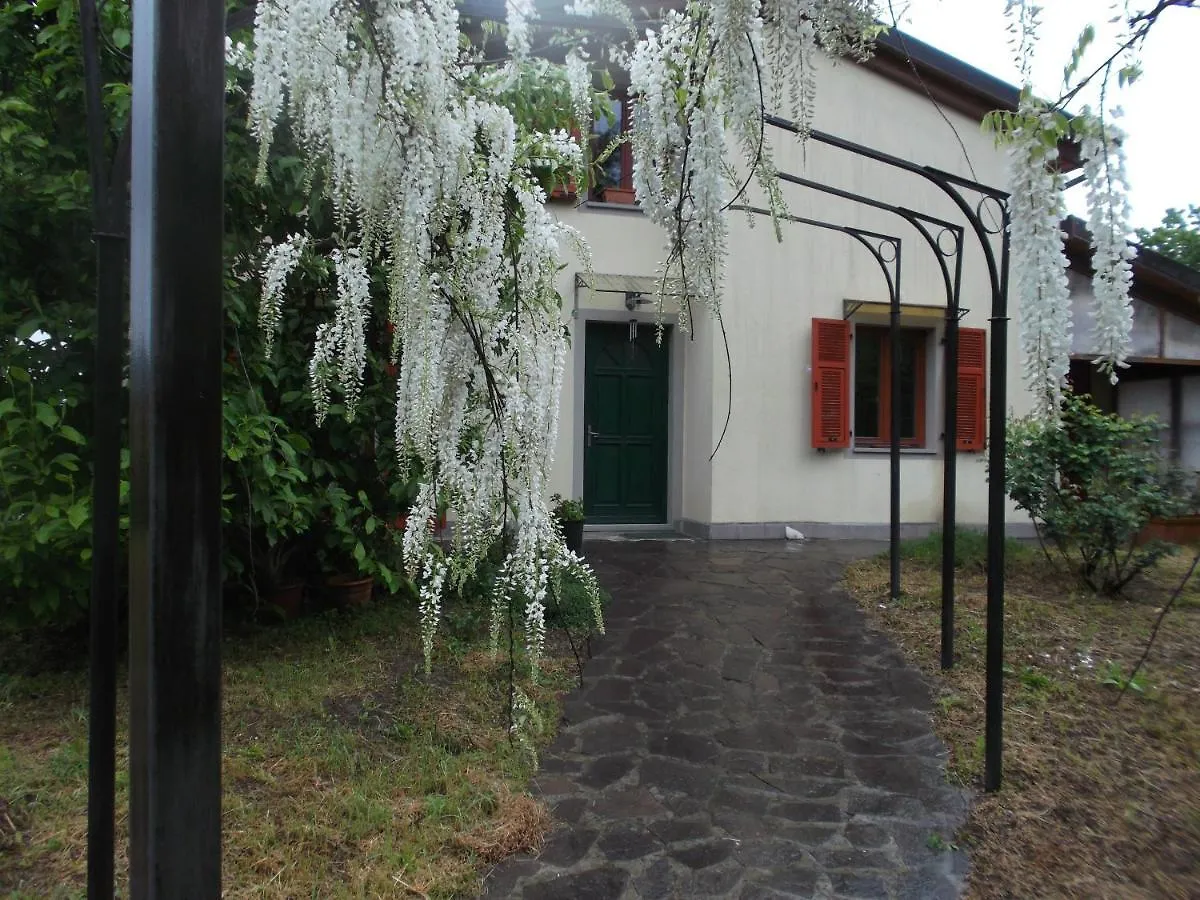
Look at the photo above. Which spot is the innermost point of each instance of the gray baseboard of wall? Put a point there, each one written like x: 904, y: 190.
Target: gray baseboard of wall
x: 828, y: 531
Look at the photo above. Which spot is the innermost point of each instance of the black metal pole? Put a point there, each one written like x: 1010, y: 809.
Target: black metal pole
x: 102, y: 660
x: 894, y: 426
x: 994, y: 698
x: 950, y: 465
x: 175, y: 424
x: 109, y: 232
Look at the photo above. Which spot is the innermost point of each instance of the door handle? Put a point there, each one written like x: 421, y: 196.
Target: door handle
x: 591, y: 434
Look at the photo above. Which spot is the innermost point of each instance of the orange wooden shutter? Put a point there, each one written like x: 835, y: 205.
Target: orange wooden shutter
x: 972, y: 388
x: 831, y: 384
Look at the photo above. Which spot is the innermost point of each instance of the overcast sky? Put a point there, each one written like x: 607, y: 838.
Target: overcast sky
x: 1162, y: 109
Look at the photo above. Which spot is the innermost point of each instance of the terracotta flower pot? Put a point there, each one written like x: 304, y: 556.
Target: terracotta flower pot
x: 350, y: 590
x: 289, y: 599
x: 620, y: 195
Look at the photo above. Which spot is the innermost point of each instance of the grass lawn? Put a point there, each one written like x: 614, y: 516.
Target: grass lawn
x: 1100, y: 800
x: 347, y: 773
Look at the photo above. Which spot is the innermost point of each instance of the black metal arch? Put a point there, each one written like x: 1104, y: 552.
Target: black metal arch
x: 949, y: 184
x: 891, y: 274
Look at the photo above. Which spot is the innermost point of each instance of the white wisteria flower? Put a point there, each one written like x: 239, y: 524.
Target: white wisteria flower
x: 1039, y: 260
x: 1109, y: 212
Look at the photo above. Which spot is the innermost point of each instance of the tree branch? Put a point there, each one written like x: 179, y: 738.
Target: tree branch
x: 1157, y: 624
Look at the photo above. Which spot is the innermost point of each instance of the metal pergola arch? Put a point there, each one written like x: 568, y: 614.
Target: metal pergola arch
x: 950, y: 184
x: 175, y: 406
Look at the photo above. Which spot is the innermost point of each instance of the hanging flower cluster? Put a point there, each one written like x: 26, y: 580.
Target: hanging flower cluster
x: 280, y: 260
x: 1108, y: 221
x: 1036, y: 208
x: 1039, y: 264
x: 431, y: 176
x: 699, y: 84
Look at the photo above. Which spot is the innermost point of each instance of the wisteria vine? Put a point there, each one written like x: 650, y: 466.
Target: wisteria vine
x: 432, y: 176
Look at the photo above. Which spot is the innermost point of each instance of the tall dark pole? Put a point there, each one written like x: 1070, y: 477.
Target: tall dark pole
x: 994, y: 695
x: 109, y: 229
x: 175, y: 429
x: 894, y: 426
x: 950, y: 465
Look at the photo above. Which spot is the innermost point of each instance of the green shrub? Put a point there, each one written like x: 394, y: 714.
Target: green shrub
x: 45, y: 505
x: 1091, y: 485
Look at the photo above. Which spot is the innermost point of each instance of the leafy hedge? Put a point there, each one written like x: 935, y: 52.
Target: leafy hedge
x: 299, y: 502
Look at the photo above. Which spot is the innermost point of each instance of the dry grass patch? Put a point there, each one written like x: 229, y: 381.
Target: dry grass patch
x: 347, y: 772
x: 1100, y: 800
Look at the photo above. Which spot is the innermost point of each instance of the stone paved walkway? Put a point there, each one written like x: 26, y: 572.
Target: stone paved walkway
x: 741, y: 733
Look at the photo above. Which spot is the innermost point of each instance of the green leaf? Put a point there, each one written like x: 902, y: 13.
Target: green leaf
x: 46, y: 414
x: 72, y: 435
x: 360, y: 552
x: 7, y: 405
x: 370, y: 527
x: 27, y: 329
x: 77, y: 515
x: 121, y: 38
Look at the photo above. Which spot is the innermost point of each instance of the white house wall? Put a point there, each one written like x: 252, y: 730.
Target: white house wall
x: 766, y: 473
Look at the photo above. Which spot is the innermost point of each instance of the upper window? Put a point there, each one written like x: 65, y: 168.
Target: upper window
x: 614, y: 180
x: 875, y: 392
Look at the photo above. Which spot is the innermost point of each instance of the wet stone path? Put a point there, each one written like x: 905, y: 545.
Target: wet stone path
x: 741, y: 733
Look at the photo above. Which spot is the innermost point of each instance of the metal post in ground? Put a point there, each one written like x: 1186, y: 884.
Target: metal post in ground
x: 175, y: 429
x: 950, y: 465
x: 994, y: 696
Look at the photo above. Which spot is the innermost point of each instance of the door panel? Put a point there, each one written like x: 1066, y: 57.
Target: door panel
x: 625, y: 424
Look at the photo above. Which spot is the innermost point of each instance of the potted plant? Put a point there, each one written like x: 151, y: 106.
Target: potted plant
x: 570, y: 516
x: 357, y: 548
x: 277, y: 585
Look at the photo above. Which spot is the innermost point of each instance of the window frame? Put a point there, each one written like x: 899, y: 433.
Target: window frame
x: 920, y: 338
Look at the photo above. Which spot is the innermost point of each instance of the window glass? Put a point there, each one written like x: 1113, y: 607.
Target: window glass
x: 873, y: 393
x: 867, y: 385
x: 908, y: 385
x: 606, y: 130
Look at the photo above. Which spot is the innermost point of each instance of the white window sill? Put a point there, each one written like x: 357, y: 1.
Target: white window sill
x: 619, y: 207
x: 904, y: 451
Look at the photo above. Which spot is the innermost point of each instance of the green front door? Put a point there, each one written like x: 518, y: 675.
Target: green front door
x: 625, y: 424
